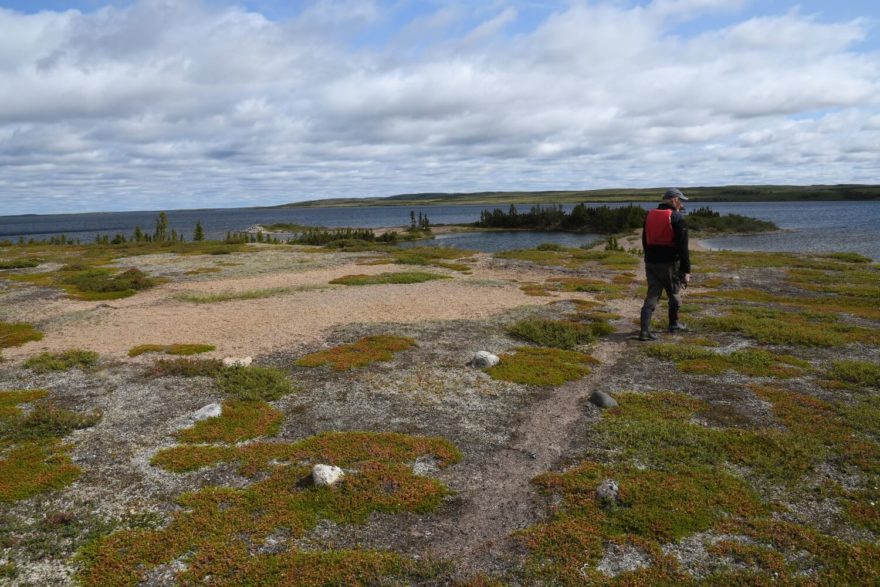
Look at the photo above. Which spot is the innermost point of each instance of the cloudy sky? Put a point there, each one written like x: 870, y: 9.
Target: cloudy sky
x: 164, y: 104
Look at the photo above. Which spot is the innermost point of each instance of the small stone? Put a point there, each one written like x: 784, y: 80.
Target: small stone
x: 237, y: 361
x: 602, y: 399
x: 484, y: 359
x: 425, y: 465
x: 608, y: 491
x: 326, y: 475
x: 209, y: 411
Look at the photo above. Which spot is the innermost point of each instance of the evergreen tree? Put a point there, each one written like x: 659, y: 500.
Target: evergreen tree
x: 161, y: 233
x: 199, y: 233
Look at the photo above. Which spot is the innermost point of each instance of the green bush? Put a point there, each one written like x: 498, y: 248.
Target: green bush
x: 402, y: 277
x: 17, y: 333
x: 560, y: 334
x: 186, y: 367
x: 253, y: 383
x: 102, y: 281
x: 19, y: 263
x: 862, y: 373
x: 45, y: 362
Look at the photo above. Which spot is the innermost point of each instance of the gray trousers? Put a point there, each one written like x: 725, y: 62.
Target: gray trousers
x: 661, y: 277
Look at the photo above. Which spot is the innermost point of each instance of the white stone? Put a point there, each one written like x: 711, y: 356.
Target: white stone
x: 209, y: 411
x: 326, y: 475
x: 483, y: 359
x: 237, y: 361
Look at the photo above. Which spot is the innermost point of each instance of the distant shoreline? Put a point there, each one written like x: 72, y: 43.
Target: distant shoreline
x: 768, y: 193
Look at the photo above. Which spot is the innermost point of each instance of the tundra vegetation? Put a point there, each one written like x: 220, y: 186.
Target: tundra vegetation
x: 746, y: 452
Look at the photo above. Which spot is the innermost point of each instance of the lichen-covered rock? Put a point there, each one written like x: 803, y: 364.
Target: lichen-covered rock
x: 326, y: 475
x: 209, y: 411
x: 484, y: 359
x: 608, y: 492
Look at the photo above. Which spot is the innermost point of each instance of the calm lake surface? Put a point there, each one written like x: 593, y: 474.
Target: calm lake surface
x: 807, y: 226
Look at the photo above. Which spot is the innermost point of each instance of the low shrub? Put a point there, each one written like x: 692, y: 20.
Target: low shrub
x: 45, y: 362
x: 20, y: 263
x: 253, y: 383
x: 358, y: 354
x: 560, y: 334
x: 402, y: 277
x: 171, y: 349
x: 240, y: 420
x: 531, y: 366
x: 861, y: 373
x: 186, y: 367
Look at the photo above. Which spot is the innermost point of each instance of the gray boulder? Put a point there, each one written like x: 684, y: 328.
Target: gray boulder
x: 602, y: 399
x: 484, y: 359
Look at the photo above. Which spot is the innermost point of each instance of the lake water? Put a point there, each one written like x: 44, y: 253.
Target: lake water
x: 807, y: 226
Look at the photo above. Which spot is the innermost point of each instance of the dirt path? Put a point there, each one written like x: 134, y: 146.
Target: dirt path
x: 498, y: 498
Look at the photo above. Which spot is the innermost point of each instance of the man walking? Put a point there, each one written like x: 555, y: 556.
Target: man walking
x: 667, y: 260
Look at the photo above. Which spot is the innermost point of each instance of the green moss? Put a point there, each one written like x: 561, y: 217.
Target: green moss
x: 402, y: 277
x: 531, y: 366
x: 17, y: 333
x: 253, y: 383
x: 171, y: 349
x: 239, y: 420
x: 46, y: 362
x: 220, y: 529
x: 358, y: 354
x: 186, y: 367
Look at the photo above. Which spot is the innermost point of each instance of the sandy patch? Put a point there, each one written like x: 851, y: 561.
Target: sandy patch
x: 253, y: 327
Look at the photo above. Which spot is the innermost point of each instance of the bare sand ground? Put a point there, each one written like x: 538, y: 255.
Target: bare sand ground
x: 283, y: 320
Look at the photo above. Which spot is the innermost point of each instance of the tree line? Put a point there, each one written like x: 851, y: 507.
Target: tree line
x: 582, y: 218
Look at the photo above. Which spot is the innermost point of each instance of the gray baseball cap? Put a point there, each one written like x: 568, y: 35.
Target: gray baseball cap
x: 674, y: 193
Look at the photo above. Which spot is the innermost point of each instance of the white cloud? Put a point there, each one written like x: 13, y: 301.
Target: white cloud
x: 174, y: 104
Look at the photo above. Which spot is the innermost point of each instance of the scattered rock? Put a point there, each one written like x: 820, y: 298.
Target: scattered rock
x: 326, y: 475
x: 209, y: 411
x: 602, y: 399
x: 425, y: 465
x: 483, y: 359
x: 608, y: 492
x: 622, y: 558
x: 237, y: 361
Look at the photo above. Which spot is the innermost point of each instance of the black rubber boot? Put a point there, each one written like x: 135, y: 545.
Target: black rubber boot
x: 645, y: 326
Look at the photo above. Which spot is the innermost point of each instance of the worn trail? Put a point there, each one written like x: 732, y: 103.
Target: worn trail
x: 499, y: 498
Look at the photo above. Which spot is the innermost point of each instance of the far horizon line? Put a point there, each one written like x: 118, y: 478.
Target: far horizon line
x: 640, y: 195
